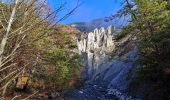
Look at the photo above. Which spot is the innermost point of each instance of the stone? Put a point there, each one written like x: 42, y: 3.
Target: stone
x: 81, y: 92
x: 97, y: 45
x: 117, y: 73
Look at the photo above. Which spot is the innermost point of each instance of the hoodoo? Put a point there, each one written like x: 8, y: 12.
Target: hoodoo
x: 97, y: 47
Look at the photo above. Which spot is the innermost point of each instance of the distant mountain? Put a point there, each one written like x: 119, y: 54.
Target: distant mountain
x: 91, y: 25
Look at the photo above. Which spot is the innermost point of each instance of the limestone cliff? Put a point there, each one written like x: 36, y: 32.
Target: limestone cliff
x: 118, y: 71
x: 96, y: 47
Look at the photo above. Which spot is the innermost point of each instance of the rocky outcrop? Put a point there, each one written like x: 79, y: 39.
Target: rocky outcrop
x: 97, y: 47
x: 118, y: 71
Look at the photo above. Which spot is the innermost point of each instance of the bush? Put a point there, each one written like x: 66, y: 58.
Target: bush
x: 62, y: 67
x: 125, y: 31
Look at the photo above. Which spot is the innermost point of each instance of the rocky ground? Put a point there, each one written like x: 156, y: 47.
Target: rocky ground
x: 91, y: 91
x: 96, y: 91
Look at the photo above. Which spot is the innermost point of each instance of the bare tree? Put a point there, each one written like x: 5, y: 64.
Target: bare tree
x: 22, y: 22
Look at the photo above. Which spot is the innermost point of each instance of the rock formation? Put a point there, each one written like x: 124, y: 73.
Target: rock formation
x: 97, y: 47
x: 104, y: 71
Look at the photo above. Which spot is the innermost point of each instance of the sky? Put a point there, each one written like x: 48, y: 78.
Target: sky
x: 89, y: 9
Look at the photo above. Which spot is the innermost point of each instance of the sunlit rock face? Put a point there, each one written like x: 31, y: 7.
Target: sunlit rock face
x: 116, y: 72
x: 98, y: 46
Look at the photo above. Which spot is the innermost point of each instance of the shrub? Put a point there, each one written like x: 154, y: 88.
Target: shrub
x: 61, y: 67
x: 125, y: 31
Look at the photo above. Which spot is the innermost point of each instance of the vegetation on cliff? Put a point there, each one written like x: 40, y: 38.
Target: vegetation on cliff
x: 150, y: 23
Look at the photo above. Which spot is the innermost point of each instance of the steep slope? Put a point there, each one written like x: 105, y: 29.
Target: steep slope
x: 97, y: 46
x: 110, y: 65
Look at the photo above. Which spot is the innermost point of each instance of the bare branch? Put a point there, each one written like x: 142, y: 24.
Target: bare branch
x: 31, y: 95
x: 4, y: 40
x: 9, y: 66
x: 10, y: 74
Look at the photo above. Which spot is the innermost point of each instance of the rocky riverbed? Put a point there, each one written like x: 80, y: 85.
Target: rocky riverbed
x: 96, y: 91
x: 91, y: 91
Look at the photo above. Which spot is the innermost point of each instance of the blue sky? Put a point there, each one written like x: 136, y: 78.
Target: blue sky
x: 89, y: 10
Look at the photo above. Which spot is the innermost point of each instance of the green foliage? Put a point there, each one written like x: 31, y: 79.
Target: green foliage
x: 155, y: 54
x: 60, y: 64
x: 65, y: 65
x: 152, y: 29
x: 152, y: 16
x: 125, y: 31
x: 32, y: 46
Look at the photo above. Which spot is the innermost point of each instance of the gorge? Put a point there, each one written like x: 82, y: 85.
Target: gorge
x: 85, y: 50
x: 109, y: 65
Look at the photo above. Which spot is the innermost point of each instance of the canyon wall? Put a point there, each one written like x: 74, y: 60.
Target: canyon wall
x: 110, y: 66
x: 96, y: 48
x: 108, y: 60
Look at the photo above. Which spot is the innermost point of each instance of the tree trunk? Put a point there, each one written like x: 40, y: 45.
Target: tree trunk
x: 5, y: 38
